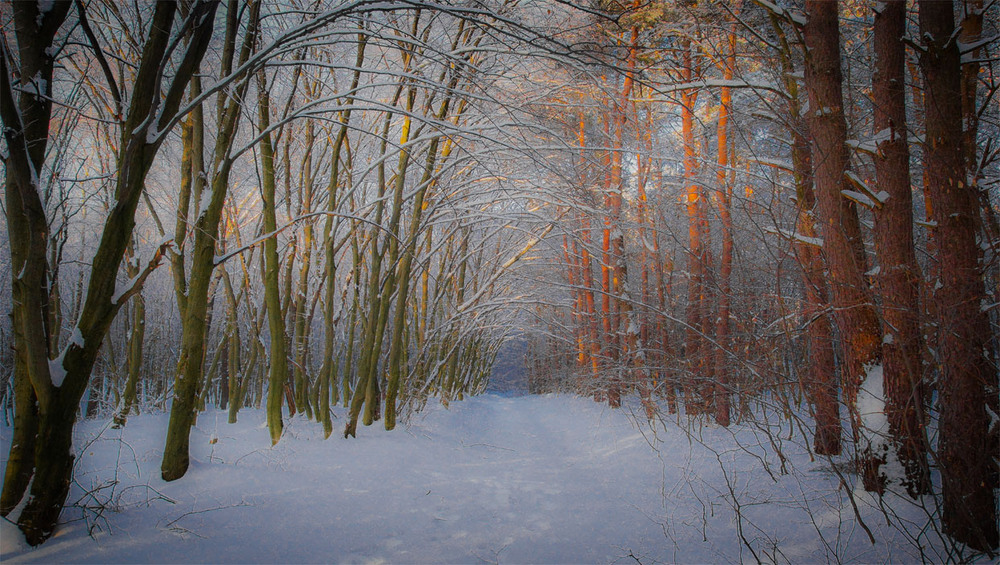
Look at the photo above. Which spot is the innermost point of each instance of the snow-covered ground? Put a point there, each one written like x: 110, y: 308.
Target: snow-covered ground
x: 529, y: 479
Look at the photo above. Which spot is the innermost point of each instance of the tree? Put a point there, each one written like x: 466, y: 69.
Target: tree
x: 854, y: 310
x: 206, y: 231
x: 966, y: 381
x: 153, y: 110
x: 899, y: 274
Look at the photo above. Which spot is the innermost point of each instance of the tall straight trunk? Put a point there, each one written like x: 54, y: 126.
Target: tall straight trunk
x: 696, y: 252
x: 967, y: 384
x: 328, y: 375
x: 589, y: 310
x: 572, y: 281
x: 609, y: 319
x: 587, y: 274
x: 627, y: 327
x: 234, y: 359
x: 854, y: 311
x: 133, y: 357
x: 194, y: 324
x: 278, y: 365
x: 402, y: 280
x: 300, y: 334
x: 899, y: 274
x: 721, y: 394
x: 820, y: 382
x: 366, y: 392
x: 667, y: 385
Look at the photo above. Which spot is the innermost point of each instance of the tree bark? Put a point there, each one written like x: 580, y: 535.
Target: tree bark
x: 854, y: 311
x: 195, y: 321
x: 966, y: 381
x: 899, y: 274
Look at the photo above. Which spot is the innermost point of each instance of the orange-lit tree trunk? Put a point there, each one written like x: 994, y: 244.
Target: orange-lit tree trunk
x: 647, y: 258
x: 854, y: 312
x: 627, y: 327
x: 586, y: 271
x: 899, y: 275
x: 696, y: 248
x: 725, y: 189
x: 966, y: 381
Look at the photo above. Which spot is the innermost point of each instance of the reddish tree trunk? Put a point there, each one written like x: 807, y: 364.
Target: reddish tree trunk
x: 853, y: 309
x: 820, y: 380
x: 966, y: 380
x: 899, y: 275
x: 725, y: 189
x: 696, y: 254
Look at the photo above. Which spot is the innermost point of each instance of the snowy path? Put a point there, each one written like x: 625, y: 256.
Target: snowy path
x: 550, y: 479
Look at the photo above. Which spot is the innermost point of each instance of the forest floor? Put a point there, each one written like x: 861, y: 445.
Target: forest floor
x: 508, y: 479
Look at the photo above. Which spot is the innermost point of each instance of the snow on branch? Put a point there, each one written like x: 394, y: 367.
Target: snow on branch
x: 865, y: 195
x: 779, y: 164
x: 134, y: 285
x: 795, y: 236
x: 795, y: 17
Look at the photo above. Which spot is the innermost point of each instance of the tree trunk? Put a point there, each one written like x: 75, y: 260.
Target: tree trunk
x: 59, y: 387
x: 278, y: 365
x: 820, y: 382
x: 853, y: 309
x: 966, y: 381
x: 725, y: 189
x: 194, y: 332
x: 696, y: 249
x: 899, y: 275
x: 20, y: 461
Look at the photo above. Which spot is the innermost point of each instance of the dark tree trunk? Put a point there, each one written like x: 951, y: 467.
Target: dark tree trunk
x: 899, y: 275
x: 854, y: 312
x: 966, y: 379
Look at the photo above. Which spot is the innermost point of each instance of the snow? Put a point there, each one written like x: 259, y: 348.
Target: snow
x: 530, y: 479
x: 57, y: 373
x: 858, y: 198
x: 38, y: 85
x: 795, y: 236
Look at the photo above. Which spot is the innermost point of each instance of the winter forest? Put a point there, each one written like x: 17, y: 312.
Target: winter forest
x: 612, y: 281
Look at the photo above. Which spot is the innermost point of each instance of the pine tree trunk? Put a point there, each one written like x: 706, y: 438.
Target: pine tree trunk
x: 899, y: 275
x: 853, y: 308
x: 966, y: 381
x: 820, y: 381
x: 721, y: 394
x: 696, y: 253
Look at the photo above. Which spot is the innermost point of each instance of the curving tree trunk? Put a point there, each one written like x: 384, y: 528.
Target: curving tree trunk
x: 60, y: 385
x: 190, y: 365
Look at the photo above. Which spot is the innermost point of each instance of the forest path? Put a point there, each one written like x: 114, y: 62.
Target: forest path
x: 492, y: 478
x: 508, y: 479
